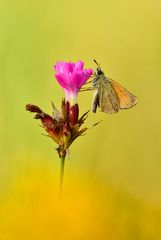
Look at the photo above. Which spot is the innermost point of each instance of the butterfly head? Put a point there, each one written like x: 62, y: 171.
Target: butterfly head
x: 98, y: 70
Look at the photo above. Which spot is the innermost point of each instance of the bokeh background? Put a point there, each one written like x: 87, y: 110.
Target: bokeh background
x: 112, y: 182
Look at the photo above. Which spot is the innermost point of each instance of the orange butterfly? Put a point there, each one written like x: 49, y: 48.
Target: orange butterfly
x: 110, y: 96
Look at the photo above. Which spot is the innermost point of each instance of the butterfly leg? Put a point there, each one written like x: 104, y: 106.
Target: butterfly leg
x: 88, y: 82
x: 86, y: 89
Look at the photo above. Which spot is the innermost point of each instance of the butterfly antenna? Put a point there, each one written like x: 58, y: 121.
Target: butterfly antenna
x: 96, y: 63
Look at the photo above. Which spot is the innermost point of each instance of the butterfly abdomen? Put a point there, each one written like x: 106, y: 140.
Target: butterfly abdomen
x: 95, y: 102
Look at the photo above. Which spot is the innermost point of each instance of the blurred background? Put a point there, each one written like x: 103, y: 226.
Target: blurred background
x: 112, y: 182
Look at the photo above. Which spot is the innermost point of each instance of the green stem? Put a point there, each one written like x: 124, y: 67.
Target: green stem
x: 61, y: 176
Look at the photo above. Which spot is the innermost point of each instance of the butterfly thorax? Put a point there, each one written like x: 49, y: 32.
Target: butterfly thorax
x: 98, y: 77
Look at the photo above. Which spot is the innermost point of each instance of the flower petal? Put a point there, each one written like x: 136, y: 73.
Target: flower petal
x: 79, y: 65
x: 61, y: 78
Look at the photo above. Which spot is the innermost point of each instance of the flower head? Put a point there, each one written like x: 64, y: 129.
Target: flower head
x: 71, y: 77
x: 63, y: 127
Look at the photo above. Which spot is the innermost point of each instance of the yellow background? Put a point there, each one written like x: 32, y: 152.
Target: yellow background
x: 112, y: 184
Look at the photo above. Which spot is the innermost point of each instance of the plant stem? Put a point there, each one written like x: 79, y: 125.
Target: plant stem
x: 61, y: 176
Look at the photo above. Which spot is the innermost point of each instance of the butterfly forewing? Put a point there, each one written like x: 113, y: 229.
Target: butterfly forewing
x: 108, y: 100
x: 126, y: 99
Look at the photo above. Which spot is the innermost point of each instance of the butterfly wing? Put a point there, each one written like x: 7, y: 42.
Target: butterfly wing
x: 108, y: 99
x: 95, y: 102
x: 126, y: 99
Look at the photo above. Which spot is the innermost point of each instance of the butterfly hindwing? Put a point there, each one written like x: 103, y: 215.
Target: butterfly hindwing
x: 126, y: 99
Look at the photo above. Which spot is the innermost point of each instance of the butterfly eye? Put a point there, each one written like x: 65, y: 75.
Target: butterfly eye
x: 99, y: 71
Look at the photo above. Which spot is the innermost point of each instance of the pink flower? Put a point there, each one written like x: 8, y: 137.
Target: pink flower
x: 71, y: 77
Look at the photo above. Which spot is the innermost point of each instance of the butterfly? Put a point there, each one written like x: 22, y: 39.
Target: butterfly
x: 109, y: 95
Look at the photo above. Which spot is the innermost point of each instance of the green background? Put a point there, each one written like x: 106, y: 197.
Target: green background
x: 113, y: 178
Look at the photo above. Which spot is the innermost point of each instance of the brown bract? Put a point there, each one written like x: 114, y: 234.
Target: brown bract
x: 63, y: 126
